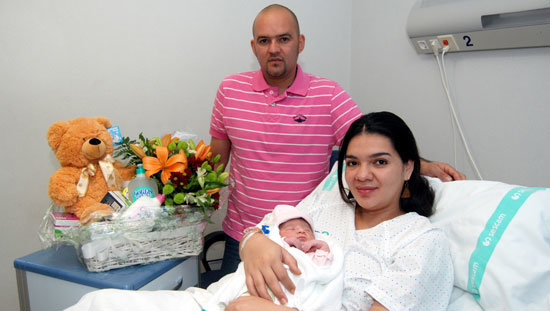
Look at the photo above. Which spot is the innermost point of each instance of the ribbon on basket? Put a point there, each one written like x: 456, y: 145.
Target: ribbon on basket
x: 121, y: 243
x: 100, y: 249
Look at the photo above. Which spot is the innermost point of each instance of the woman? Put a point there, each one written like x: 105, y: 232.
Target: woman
x: 394, y: 258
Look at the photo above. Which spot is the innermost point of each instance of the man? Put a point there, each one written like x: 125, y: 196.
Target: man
x: 278, y: 125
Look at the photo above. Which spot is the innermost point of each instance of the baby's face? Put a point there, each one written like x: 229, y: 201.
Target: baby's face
x: 296, y: 228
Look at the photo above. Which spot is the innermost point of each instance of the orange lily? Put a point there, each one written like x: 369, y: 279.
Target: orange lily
x: 153, y: 165
x: 202, y: 151
x: 212, y: 191
x: 167, y: 139
x: 137, y: 150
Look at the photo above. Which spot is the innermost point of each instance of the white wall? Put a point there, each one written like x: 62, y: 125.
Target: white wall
x: 501, y: 97
x: 151, y: 66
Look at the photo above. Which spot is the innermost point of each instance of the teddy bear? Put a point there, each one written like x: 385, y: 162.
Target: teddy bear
x: 88, y: 171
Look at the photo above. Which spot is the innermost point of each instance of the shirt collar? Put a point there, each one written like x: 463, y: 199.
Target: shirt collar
x: 298, y: 87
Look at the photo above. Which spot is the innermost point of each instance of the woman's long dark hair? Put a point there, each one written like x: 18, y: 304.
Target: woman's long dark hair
x: 396, y: 130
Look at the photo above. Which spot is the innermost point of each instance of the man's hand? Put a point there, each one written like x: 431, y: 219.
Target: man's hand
x: 441, y: 170
x: 263, y: 265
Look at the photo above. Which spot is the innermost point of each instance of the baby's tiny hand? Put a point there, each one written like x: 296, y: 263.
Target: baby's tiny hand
x: 313, y: 245
x: 294, y: 242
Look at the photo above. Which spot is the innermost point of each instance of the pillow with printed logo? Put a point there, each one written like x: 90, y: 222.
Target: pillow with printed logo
x: 500, y: 241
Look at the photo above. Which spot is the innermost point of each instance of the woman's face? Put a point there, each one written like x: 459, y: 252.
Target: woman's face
x: 375, y: 174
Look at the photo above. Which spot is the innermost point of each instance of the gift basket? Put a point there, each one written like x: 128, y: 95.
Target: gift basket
x: 164, y: 233
x: 118, y: 245
x: 159, y: 214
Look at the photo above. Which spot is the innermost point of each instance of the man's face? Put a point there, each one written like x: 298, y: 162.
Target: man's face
x: 277, y: 44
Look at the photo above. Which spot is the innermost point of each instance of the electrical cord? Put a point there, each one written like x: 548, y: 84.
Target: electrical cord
x: 445, y: 82
x: 453, y: 125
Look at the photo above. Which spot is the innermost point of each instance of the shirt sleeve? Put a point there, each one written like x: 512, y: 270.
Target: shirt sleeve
x: 343, y: 111
x: 420, y: 277
x: 217, y: 127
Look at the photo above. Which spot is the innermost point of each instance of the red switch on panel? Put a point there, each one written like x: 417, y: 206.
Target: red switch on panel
x: 448, y: 41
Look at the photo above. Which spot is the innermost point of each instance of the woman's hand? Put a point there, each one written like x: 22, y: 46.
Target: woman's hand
x: 263, y: 265
x: 251, y: 303
x: 376, y: 306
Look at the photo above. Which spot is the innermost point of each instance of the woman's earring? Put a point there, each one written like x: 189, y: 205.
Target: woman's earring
x: 349, y: 195
x: 405, y: 194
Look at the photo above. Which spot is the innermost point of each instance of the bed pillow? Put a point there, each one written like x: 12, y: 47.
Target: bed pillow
x: 500, y: 241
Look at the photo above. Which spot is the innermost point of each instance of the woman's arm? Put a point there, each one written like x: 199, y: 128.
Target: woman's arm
x: 263, y: 265
x: 251, y: 303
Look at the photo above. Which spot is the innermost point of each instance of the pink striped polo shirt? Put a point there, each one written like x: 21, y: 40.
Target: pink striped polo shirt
x: 280, y: 144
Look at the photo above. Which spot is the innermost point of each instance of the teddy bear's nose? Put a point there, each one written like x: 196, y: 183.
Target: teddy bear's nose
x: 95, y: 141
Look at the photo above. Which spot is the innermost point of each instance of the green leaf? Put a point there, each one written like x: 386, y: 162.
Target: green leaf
x: 182, y: 145
x: 211, y: 177
x: 172, y: 146
x: 216, y: 159
x: 222, y: 177
x: 192, y: 145
x: 179, y: 198
x: 214, y: 185
x: 167, y: 189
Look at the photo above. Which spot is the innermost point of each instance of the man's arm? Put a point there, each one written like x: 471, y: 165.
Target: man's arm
x: 221, y: 147
x: 441, y: 170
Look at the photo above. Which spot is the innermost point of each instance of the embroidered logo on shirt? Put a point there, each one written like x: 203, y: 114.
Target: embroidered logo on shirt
x: 300, y: 118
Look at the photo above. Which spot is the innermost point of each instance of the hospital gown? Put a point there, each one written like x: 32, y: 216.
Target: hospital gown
x: 403, y: 263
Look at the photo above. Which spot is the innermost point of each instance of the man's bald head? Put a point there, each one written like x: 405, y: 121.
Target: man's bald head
x: 274, y: 7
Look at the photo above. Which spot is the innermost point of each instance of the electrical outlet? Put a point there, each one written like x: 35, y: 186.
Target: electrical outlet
x: 435, y: 43
x: 422, y: 45
x: 448, y: 40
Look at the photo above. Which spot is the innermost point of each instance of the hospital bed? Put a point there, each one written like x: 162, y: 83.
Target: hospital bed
x: 499, y: 238
x: 500, y: 244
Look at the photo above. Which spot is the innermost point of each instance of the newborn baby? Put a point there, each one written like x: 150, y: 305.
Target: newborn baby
x: 296, y: 231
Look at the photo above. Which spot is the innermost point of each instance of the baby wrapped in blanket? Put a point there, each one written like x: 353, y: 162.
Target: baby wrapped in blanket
x: 319, y: 287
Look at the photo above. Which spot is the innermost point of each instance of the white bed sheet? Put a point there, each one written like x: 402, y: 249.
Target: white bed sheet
x: 462, y: 301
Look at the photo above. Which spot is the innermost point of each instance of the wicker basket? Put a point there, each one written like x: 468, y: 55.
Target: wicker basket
x: 116, y: 245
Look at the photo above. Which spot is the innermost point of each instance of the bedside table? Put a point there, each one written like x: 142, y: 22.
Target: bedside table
x: 54, y: 278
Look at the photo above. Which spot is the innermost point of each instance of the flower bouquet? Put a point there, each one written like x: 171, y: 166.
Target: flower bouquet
x: 184, y: 171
